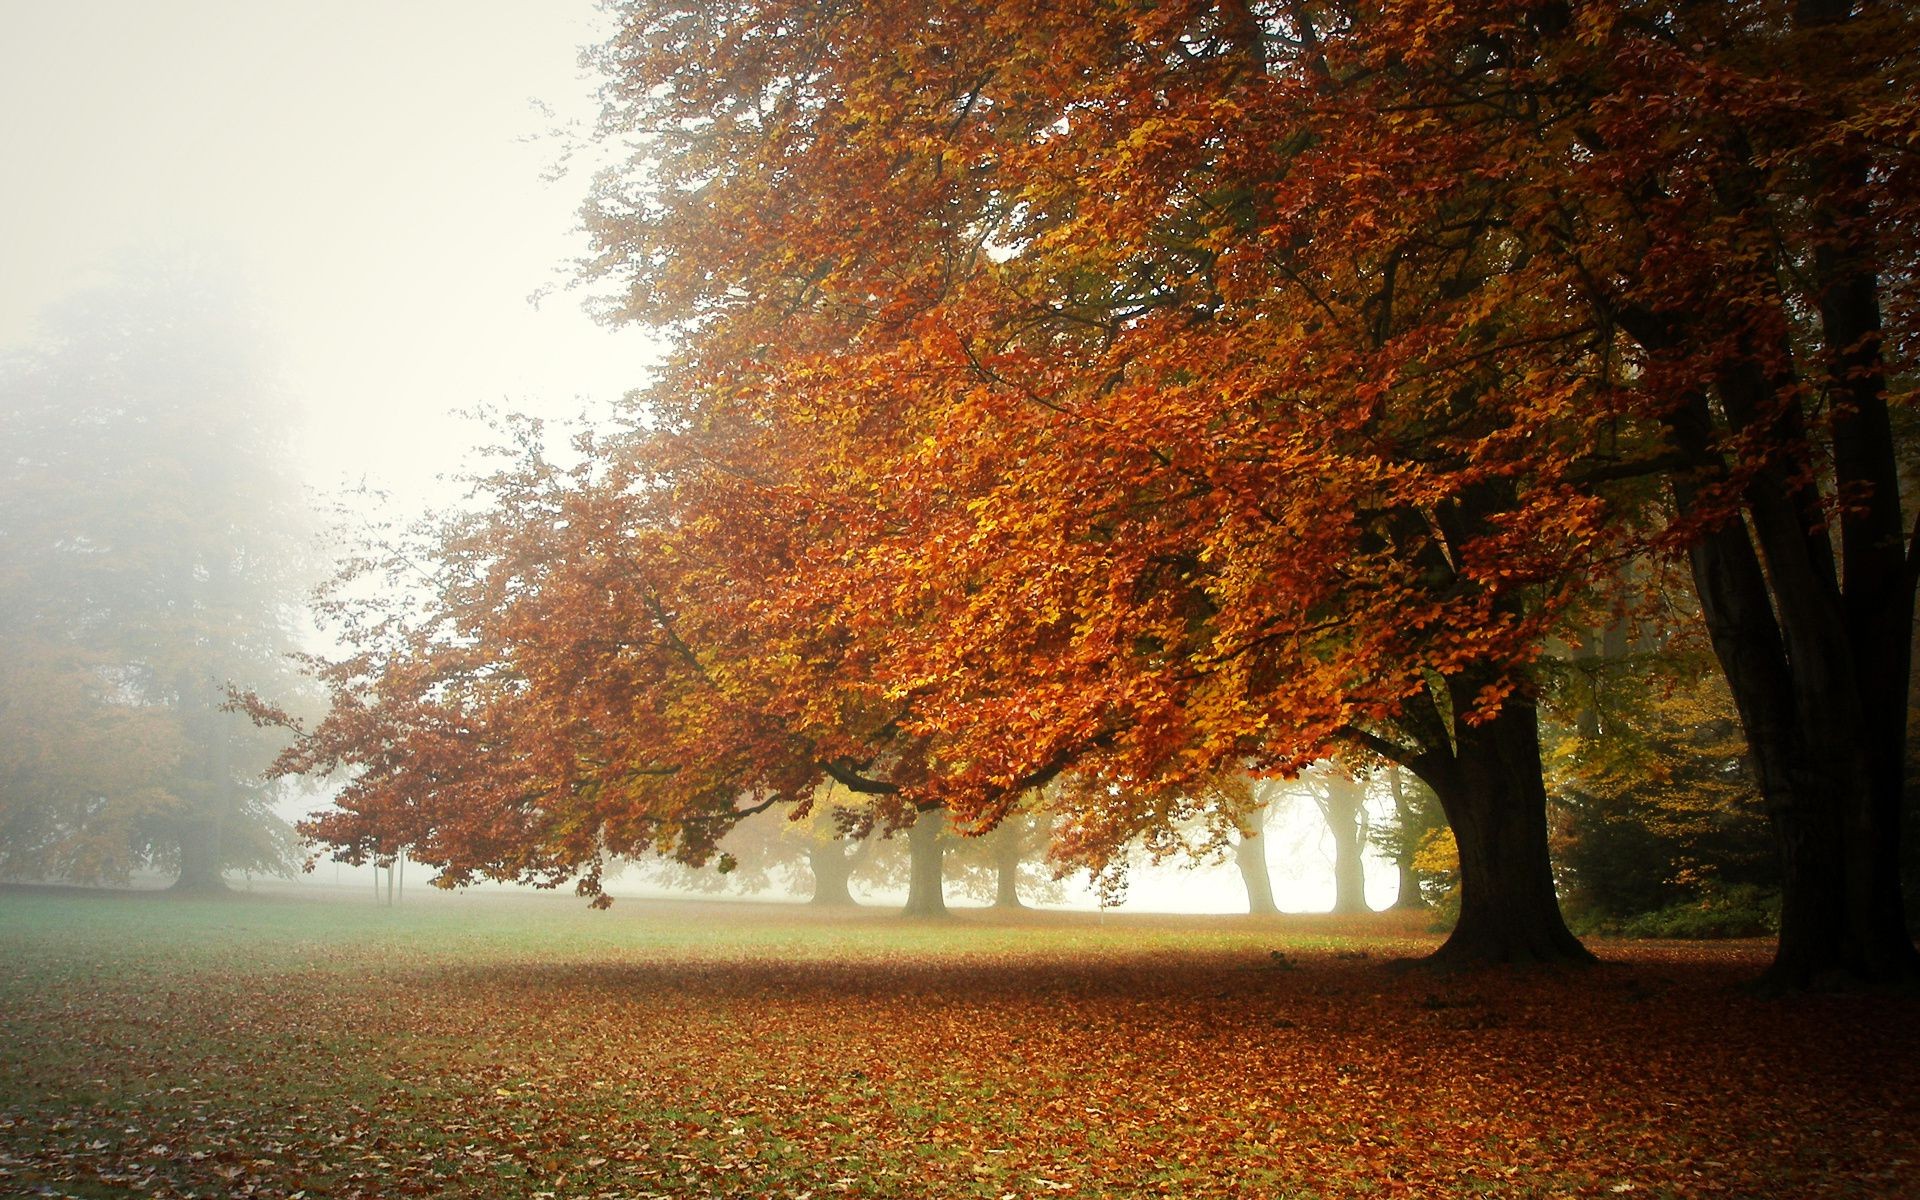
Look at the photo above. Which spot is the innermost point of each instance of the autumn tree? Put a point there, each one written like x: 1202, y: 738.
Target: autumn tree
x: 149, y: 555
x: 575, y: 668
x: 988, y: 361
x: 1722, y: 198
x: 922, y: 510
x: 1139, y: 391
x: 1176, y: 353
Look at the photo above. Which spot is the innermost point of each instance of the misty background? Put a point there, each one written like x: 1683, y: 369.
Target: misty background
x: 391, y: 191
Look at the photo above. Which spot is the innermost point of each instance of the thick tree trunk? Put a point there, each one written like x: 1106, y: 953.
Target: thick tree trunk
x: 1877, y: 581
x: 924, y: 854
x: 832, y: 874
x: 200, y: 858
x: 1486, y: 775
x: 1814, y: 645
x: 1808, y: 668
x: 1491, y: 789
x: 1345, y: 813
x: 1009, y: 847
x: 1809, y: 734
x: 1250, y: 855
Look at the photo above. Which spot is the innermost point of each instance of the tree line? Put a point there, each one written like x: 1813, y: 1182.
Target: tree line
x: 1116, y: 398
x: 1108, y: 398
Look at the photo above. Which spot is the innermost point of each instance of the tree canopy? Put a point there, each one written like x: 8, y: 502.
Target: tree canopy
x: 1152, y: 390
x: 150, y: 554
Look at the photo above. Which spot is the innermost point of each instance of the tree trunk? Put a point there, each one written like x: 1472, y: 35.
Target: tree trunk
x: 1877, y: 581
x: 924, y: 855
x: 1345, y: 810
x: 1409, y: 895
x: 1808, y: 675
x: 1009, y: 848
x: 1800, y: 704
x: 1250, y: 855
x: 1493, y: 795
x: 1487, y: 777
x: 832, y: 873
x: 200, y: 857
x: 1814, y: 644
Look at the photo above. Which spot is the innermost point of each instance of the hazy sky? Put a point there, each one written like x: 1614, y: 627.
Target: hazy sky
x: 374, y: 169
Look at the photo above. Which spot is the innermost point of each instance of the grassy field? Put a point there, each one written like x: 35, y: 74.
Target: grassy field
x: 498, y: 1045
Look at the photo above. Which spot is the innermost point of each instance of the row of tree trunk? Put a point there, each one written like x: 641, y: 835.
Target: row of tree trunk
x: 833, y: 863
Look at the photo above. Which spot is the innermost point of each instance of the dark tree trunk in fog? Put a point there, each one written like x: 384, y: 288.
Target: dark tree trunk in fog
x: 1250, y: 856
x: 200, y: 857
x: 832, y: 873
x: 924, y: 855
x: 1345, y: 809
x: 1009, y: 847
x: 1403, y: 813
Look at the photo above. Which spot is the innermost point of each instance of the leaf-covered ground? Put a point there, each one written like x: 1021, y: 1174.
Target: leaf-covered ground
x: 502, y: 1046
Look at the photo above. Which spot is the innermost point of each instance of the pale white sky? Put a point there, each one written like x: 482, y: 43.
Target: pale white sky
x: 373, y: 168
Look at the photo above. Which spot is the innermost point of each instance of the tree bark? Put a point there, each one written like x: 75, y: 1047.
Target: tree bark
x: 1486, y: 774
x: 1877, y: 582
x: 1808, y: 659
x: 925, y: 853
x: 1009, y: 847
x: 1490, y: 786
x: 1409, y: 895
x: 1814, y: 645
x: 200, y: 857
x: 1345, y: 810
x: 832, y: 874
x: 1801, y: 707
x: 1250, y: 855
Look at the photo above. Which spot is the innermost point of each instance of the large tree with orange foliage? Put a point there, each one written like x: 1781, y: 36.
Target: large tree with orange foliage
x: 1191, y: 381
x: 1152, y: 389
x: 1116, y: 468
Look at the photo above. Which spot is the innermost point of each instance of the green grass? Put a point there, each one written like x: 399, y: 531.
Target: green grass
x: 505, y: 1045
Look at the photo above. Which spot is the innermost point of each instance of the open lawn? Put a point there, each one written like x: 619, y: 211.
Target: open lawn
x: 499, y: 1045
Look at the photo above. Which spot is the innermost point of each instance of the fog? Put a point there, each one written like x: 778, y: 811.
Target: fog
x: 1299, y: 853
x: 380, y: 175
